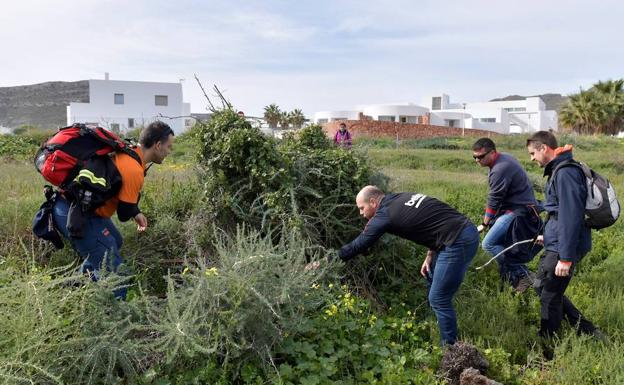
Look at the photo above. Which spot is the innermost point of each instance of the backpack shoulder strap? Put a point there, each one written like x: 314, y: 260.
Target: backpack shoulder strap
x: 567, y: 163
x: 112, y: 140
x: 133, y: 154
x: 582, y: 166
x: 587, y: 172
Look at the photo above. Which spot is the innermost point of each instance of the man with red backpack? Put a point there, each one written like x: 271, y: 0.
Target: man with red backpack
x: 100, y: 241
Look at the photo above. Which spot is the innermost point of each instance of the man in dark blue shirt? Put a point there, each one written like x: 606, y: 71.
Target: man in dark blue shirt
x: 566, y: 237
x: 451, y: 238
x: 511, y: 214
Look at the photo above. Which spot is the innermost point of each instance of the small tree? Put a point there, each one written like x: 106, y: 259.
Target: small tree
x: 272, y: 115
x: 284, y: 120
x: 297, y: 118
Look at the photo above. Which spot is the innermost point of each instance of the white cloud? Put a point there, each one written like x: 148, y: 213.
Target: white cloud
x: 318, y: 55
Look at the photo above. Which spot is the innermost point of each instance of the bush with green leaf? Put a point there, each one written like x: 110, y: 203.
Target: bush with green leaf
x: 302, y: 183
x: 59, y: 328
x: 236, y: 305
x: 348, y: 343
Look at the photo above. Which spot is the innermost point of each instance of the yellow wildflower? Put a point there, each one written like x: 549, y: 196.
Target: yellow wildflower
x: 332, y: 311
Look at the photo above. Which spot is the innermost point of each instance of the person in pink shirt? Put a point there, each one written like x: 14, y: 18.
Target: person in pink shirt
x: 343, y: 137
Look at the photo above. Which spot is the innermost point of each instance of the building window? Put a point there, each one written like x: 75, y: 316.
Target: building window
x: 337, y: 119
x: 487, y: 120
x: 119, y: 98
x: 451, y: 122
x: 436, y: 103
x: 408, y: 119
x: 130, y: 122
x: 321, y: 121
x: 187, y: 122
x: 386, y: 118
x: 114, y: 127
x: 519, y: 109
x: 162, y: 100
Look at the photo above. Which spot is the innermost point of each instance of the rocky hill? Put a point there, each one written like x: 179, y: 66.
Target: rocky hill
x: 43, y: 105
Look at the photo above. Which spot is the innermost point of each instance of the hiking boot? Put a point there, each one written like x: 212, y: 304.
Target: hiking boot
x: 548, y: 353
x: 524, y: 283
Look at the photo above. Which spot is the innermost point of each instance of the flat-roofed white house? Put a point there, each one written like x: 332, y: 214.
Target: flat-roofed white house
x: 505, y: 117
x: 404, y: 113
x: 321, y: 117
x: 121, y: 105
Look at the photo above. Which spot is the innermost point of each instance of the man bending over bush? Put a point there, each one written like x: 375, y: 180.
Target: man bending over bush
x: 451, y: 238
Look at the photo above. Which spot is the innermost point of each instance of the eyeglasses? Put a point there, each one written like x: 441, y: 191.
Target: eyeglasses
x: 479, y: 157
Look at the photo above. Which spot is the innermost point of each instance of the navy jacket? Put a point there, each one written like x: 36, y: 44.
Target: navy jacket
x: 510, y: 187
x: 565, y: 195
x: 412, y: 216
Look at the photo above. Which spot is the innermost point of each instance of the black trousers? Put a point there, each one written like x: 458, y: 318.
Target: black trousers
x: 554, y: 305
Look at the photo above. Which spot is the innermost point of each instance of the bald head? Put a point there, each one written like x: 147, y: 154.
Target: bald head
x: 368, y: 200
x: 369, y: 192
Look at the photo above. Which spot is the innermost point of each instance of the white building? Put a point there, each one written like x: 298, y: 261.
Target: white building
x: 505, y: 117
x: 404, y: 113
x: 331, y: 116
x: 123, y: 105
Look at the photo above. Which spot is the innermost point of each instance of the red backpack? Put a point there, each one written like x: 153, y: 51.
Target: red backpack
x: 78, y: 155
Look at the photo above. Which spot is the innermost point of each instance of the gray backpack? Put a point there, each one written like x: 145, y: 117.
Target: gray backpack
x: 602, y: 208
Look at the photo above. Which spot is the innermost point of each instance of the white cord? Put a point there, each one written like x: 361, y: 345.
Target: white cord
x: 502, y: 252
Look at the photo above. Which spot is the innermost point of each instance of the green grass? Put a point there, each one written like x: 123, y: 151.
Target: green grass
x: 502, y: 324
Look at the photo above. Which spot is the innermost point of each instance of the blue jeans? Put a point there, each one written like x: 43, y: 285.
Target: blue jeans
x: 449, y: 268
x: 101, y: 242
x: 494, y: 242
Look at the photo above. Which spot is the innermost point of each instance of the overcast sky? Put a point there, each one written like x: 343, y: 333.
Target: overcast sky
x: 318, y: 55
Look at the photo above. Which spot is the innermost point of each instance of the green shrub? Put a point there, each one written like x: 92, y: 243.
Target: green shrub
x: 58, y: 328
x: 235, y: 305
x: 19, y: 147
x: 348, y: 343
x: 302, y: 184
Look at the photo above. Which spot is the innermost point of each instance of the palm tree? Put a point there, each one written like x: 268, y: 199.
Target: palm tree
x: 284, y: 120
x: 272, y: 115
x: 610, y: 87
x: 581, y: 113
x: 297, y: 118
x: 599, y: 110
x: 612, y: 94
